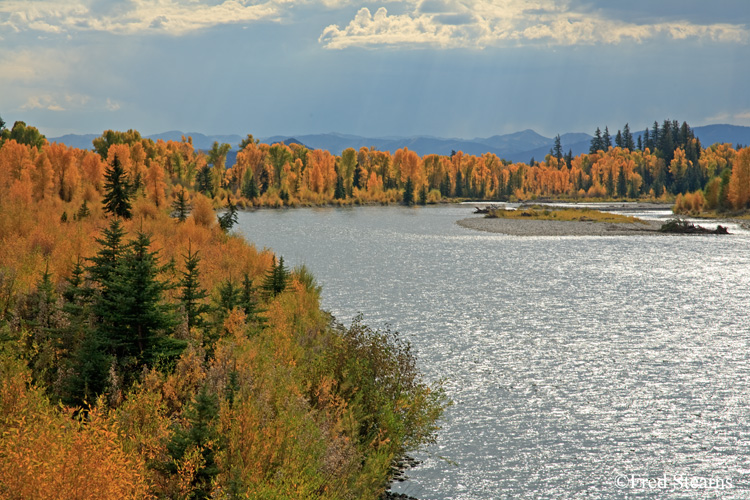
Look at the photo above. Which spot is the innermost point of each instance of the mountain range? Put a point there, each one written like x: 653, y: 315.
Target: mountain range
x: 515, y: 147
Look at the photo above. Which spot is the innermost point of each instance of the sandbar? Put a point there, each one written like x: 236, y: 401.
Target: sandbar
x: 535, y: 227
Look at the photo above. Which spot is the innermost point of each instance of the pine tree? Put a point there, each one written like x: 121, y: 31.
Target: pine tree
x: 204, y: 181
x: 606, y: 140
x: 557, y: 150
x: 619, y: 142
x: 339, y: 193
x: 180, y: 206
x: 117, y: 190
x: 459, y: 184
x: 596, y: 142
x: 228, y: 219
x: 408, y: 198
x: 445, y: 186
x: 83, y: 211
x: 191, y: 294
x: 627, y: 138
x: 199, y: 434
x: 111, y: 249
x: 133, y: 319
x: 622, y: 186
x: 249, y: 302
x: 276, y: 278
x: 356, y: 182
x: 423, y: 195
x: 249, y: 186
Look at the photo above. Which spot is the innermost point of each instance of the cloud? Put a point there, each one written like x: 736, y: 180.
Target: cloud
x: 26, y: 66
x: 482, y: 23
x: 736, y: 117
x: 112, y: 105
x: 175, y: 17
x: 44, y: 101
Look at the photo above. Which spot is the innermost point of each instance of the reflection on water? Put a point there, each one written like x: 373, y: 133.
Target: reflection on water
x: 579, y: 367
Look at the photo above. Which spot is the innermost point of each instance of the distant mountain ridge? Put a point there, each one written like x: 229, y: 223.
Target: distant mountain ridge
x: 516, y: 147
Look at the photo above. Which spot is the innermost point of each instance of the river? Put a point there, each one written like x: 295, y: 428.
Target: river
x: 578, y: 367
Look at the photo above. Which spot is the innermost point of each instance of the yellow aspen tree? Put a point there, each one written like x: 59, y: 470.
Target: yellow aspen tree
x: 739, y: 182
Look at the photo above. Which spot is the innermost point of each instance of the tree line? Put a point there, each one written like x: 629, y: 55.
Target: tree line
x: 660, y: 163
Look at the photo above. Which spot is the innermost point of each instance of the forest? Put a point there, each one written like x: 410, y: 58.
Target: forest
x: 148, y: 351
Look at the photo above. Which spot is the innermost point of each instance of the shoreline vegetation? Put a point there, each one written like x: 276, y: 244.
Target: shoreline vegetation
x: 147, y: 351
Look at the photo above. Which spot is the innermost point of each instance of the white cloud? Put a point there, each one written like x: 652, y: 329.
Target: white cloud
x: 735, y: 117
x: 26, y: 66
x: 481, y: 23
x: 174, y: 17
x: 43, y: 101
x: 112, y: 105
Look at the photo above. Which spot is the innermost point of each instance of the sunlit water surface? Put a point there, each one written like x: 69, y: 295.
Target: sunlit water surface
x: 579, y: 367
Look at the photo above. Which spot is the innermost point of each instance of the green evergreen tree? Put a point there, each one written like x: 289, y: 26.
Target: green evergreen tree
x: 229, y: 297
x: 83, y: 211
x: 339, y: 193
x: 619, y: 142
x: 228, y: 219
x: 276, y: 278
x: 204, y: 181
x: 445, y: 186
x: 133, y: 319
x: 201, y: 433
x: 181, y: 206
x: 597, y: 143
x: 249, y: 302
x: 117, y: 190
x: 356, y: 178
x: 249, y: 186
x: 459, y: 184
x: 627, y: 138
x: 408, y: 198
x: 191, y: 294
x: 423, y: 195
x: 556, y: 151
x: 622, y: 186
x: 606, y: 140
x: 104, y: 263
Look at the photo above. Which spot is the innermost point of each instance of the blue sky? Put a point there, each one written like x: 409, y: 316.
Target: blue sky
x: 448, y: 68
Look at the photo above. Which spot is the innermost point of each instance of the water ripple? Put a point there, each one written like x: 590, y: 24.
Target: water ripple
x: 572, y: 362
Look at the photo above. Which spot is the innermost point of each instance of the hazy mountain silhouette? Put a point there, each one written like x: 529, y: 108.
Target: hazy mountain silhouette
x: 516, y: 147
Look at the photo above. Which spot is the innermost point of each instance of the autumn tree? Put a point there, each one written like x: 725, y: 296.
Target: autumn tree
x: 217, y: 157
x: 23, y: 134
x: 739, y: 182
x: 112, y: 137
x: 347, y: 166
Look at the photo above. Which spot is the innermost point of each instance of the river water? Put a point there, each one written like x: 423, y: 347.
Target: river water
x: 579, y: 367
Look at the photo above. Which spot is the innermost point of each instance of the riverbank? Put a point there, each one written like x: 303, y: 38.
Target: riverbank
x: 517, y: 227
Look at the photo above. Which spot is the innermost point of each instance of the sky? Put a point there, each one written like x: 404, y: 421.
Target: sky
x: 445, y: 68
